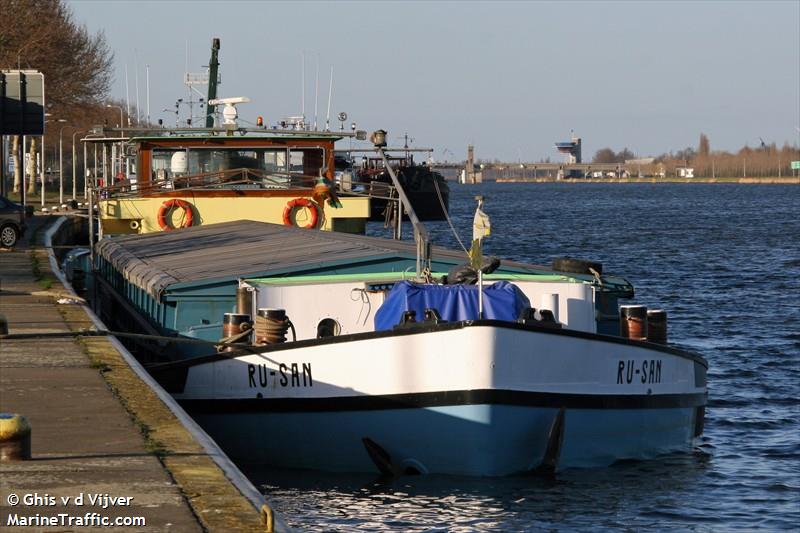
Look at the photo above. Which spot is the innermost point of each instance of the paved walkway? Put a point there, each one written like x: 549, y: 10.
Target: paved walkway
x: 78, y: 397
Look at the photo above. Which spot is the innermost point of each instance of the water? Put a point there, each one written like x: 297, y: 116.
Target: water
x: 724, y: 261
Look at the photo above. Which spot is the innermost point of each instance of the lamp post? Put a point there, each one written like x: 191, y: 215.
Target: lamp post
x: 44, y: 162
x: 74, y: 164
x: 121, y: 125
x: 122, y: 135
x: 61, y: 164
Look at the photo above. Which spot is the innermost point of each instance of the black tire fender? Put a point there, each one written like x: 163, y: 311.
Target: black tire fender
x: 577, y: 266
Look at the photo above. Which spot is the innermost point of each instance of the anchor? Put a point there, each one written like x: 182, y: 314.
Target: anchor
x: 387, y: 467
x: 555, y: 441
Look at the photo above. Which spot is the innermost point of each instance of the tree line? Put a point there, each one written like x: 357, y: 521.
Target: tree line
x: 765, y: 160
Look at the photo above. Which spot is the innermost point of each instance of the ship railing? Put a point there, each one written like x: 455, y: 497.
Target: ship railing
x: 370, y: 189
x: 243, y: 179
x: 238, y: 179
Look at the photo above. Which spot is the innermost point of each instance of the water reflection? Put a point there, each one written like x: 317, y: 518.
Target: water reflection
x: 572, y: 499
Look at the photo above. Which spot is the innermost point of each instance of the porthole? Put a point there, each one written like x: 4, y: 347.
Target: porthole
x: 328, y: 327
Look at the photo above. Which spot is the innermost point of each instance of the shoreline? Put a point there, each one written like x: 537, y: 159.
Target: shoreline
x: 773, y: 180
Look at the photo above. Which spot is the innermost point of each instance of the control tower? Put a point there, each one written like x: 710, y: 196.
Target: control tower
x: 571, y: 149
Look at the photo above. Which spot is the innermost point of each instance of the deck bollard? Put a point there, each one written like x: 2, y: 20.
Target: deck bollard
x: 633, y: 322
x: 267, y: 518
x: 15, y: 437
x: 657, y: 326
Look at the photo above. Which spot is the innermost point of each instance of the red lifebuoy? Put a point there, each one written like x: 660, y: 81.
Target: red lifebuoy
x: 301, y: 202
x: 168, y: 206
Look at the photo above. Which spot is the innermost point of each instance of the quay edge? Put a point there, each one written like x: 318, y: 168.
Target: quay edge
x: 214, y: 494
x: 773, y: 180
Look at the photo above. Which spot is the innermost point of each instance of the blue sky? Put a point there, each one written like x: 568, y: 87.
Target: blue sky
x: 510, y: 77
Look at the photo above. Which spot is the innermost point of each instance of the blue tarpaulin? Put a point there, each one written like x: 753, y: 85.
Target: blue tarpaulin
x: 501, y: 301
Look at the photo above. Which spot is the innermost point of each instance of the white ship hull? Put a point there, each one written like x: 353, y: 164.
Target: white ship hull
x: 475, y: 398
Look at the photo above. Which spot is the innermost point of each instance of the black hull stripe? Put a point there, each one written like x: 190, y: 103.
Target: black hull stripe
x: 444, y: 398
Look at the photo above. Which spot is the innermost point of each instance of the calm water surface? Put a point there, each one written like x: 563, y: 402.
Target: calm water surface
x: 724, y: 261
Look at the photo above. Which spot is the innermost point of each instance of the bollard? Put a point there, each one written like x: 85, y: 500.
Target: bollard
x: 233, y: 325
x: 3, y: 324
x: 271, y: 326
x: 15, y: 437
x: 550, y: 302
x: 267, y: 518
x: 657, y: 326
x: 633, y: 322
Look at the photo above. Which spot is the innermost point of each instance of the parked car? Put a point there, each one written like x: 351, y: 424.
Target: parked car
x: 12, y: 222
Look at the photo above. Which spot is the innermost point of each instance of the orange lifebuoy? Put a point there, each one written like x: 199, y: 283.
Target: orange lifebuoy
x: 301, y: 202
x: 168, y: 206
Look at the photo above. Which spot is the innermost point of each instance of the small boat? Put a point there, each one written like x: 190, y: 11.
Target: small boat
x: 426, y: 189
x: 332, y: 355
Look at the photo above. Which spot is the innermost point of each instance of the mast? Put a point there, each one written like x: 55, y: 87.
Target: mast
x: 330, y: 92
x: 136, y: 77
x: 213, y: 68
x: 147, y: 71
x: 127, y: 93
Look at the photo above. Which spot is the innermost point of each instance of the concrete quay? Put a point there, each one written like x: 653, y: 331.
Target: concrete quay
x: 97, y: 428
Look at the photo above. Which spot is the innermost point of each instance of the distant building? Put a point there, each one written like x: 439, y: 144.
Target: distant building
x: 468, y: 174
x: 571, y: 149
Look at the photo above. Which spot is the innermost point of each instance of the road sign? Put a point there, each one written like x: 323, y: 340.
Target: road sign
x: 795, y: 165
x: 21, y: 102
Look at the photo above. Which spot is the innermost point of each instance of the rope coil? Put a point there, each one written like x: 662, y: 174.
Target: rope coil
x: 272, y: 330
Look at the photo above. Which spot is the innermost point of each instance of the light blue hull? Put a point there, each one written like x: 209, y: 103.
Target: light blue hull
x: 478, y: 440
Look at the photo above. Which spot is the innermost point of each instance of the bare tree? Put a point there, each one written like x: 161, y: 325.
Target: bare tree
x: 43, y: 35
x: 33, y: 168
x: 15, y: 140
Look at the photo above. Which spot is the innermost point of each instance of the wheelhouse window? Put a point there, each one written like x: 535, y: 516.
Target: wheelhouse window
x: 171, y: 163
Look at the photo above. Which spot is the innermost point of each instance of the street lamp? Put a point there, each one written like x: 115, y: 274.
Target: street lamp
x: 61, y: 164
x: 121, y: 125
x: 121, y: 142
x: 74, y: 161
x: 44, y: 162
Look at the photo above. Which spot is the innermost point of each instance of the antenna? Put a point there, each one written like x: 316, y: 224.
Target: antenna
x: 303, y: 86
x: 330, y: 92
x: 192, y: 80
x: 136, y: 77
x: 127, y: 93
x: 147, y: 71
x: 316, y: 94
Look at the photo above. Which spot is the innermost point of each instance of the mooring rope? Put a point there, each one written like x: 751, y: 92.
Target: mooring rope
x: 447, y: 217
x: 273, y: 330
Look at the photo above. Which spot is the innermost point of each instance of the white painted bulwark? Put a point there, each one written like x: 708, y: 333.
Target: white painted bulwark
x: 490, y: 391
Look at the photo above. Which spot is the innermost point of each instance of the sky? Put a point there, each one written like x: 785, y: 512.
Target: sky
x: 511, y: 78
